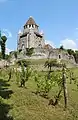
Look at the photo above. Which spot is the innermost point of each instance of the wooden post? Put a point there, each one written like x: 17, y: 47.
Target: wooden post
x: 64, y: 86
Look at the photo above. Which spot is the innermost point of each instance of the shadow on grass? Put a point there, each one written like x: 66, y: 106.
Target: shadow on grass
x: 4, y: 109
x: 42, y: 95
x: 5, y: 93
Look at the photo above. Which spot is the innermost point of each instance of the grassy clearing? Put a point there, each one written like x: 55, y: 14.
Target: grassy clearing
x: 38, y: 64
x: 23, y: 104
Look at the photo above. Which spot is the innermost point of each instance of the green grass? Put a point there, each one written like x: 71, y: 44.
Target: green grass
x: 37, y: 61
x: 38, y: 64
x: 23, y: 104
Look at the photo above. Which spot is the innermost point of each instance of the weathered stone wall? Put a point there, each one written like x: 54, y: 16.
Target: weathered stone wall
x: 60, y: 54
x: 31, y: 40
x: 41, y: 53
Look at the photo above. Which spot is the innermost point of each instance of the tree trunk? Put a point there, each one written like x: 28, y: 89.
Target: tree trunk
x: 22, y: 83
x: 48, y: 75
x: 65, y: 88
x: 57, y: 99
x: 50, y: 68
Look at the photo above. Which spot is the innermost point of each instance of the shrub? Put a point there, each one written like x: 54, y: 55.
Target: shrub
x: 44, y: 84
x: 29, y: 51
x: 25, y: 74
x: 24, y: 62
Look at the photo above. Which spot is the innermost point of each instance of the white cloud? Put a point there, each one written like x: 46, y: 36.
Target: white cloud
x: 7, y: 33
x: 69, y: 44
x: 50, y: 42
x: 8, y: 50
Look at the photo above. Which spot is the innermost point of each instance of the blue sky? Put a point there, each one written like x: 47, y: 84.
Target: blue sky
x: 57, y: 18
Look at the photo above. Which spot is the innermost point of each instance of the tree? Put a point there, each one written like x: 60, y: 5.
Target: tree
x: 74, y: 53
x: 61, y: 47
x: 25, y: 74
x: 25, y: 63
x: 76, y: 56
x: 3, y: 41
x: 50, y: 64
x: 15, y: 54
x: 63, y: 81
x: 70, y: 51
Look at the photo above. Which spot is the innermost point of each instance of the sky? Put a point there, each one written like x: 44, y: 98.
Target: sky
x: 57, y: 18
